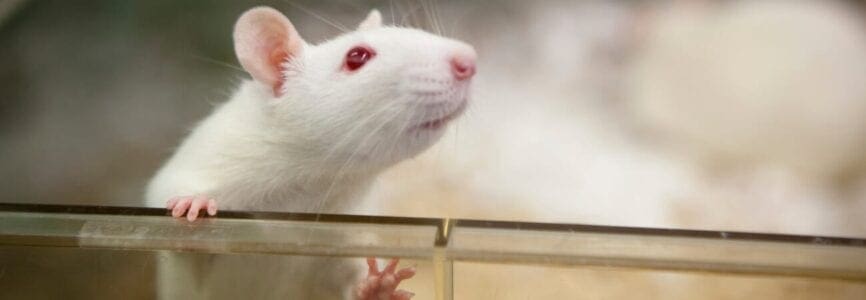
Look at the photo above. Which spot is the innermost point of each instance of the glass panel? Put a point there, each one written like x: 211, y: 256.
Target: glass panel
x: 240, y: 252
x: 235, y: 255
x: 220, y: 235
x: 657, y: 249
x: 76, y: 273
x: 521, y: 281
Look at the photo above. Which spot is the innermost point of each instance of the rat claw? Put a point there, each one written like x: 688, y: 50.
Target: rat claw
x: 405, y: 273
x: 211, y: 207
x: 383, y: 284
x: 373, y: 267
x: 402, y: 295
x: 181, y: 207
x: 191, y: 206
x: 392, y: 265
x: 196, y: 205
x: 172, y: 202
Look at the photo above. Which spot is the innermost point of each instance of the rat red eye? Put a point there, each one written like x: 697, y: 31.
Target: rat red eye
x: 357, y: 57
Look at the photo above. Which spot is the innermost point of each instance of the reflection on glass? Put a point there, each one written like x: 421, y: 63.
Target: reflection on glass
x: 456, y: 259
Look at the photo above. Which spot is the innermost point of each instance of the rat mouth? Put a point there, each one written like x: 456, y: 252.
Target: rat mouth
x: 440, y: 122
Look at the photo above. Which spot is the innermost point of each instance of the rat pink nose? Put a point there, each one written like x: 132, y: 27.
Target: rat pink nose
x: 463, y: 66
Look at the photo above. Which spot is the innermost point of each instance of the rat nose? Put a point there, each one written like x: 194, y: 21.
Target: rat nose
x: 463, y: 65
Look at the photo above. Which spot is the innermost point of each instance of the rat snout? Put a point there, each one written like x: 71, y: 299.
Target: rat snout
x: 463, y: 64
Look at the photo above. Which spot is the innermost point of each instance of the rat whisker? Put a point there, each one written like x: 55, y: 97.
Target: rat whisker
x: 457, y: 20
x: 355, y: 5
x: 434, y: 11
x: 391, y: 7
x: 394, y: 137
x: 406, y: 123
x: 218, y: 62
x: 362, y: 124
x: 411, y: 14
x: 341, y: 172
x: 339, y: 26
x: 401, y: 12
x: 426, y: 14
x: 389, y: 151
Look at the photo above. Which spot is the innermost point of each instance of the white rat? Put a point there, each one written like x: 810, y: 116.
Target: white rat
x: 318, y: 123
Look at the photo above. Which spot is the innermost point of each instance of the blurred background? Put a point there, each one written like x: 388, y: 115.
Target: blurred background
x: 721, y: 115
x: 728, y: 115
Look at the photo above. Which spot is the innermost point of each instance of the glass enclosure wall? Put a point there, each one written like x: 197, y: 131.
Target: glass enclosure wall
x: 113, y: 251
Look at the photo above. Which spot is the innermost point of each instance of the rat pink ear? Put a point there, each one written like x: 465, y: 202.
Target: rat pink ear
x: 264, y: 41
x: 373, y: 21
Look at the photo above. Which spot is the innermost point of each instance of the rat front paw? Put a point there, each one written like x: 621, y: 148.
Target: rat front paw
x: 383, y: 285
x: 190, y: 206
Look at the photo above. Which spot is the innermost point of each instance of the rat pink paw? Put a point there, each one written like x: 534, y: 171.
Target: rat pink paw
x: 190, y: 206
x: 383, y: 285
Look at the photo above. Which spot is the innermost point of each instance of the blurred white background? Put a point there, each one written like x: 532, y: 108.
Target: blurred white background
x: 723, y: 115
x: 728, y: 115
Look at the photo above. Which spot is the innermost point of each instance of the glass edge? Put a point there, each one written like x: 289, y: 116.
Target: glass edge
x: 445, y: 224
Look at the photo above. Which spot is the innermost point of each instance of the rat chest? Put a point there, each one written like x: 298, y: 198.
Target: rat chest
x: 320, y: 196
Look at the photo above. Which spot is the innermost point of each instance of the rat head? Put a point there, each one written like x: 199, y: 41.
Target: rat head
x: 370, y: 97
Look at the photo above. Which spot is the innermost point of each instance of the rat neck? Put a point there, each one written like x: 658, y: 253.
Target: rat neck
x: 284, y: 138
x: 278, y: 167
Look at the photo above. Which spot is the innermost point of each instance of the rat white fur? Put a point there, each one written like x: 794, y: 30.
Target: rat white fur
x: 309, y: 134
x: 264, y: 152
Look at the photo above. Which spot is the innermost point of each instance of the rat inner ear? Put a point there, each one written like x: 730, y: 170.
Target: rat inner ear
x: 264, y: 41
x: 373, y: 21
